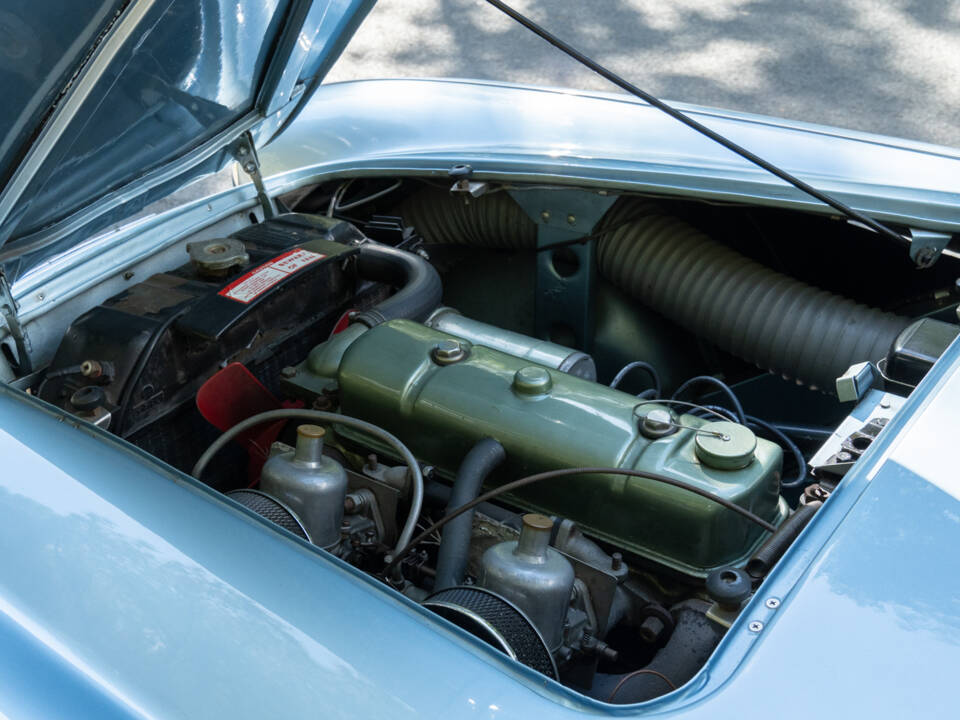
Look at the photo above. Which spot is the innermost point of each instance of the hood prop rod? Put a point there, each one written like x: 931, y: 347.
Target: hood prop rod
x: 8, y: 308
x: 245, y: 153
x: 852, y: 215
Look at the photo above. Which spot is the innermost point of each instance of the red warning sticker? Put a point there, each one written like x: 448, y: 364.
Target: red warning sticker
x: 256, y: 282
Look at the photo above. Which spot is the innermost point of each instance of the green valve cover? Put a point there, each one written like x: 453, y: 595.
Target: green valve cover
x: 406, y: 378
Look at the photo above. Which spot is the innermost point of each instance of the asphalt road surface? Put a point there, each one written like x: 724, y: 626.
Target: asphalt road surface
x: 885, y: 66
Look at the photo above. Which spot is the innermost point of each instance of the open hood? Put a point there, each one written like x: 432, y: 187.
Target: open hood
x: 110, y: 104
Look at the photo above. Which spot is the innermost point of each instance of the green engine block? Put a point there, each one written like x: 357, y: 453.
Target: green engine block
x: 408, y: 379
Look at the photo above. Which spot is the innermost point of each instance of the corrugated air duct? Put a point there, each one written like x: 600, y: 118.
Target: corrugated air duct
x: 764, y: 317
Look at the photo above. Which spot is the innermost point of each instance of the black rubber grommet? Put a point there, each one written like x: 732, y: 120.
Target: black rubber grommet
x: 88, y: 398
x: 729, y: 586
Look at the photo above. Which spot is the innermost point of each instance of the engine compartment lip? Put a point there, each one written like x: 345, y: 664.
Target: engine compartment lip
x: 734, y: 649
x: 790, y: 569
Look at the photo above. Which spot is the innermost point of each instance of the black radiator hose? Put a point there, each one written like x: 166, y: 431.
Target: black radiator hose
x: 776, y: 545
x: 693, y: 640
x: 764, y: 317
x: 420, y: 289
x: 452, y: 557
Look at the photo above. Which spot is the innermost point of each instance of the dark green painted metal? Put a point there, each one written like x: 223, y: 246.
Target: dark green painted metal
x: 386, y: 376
x: 564, y: 296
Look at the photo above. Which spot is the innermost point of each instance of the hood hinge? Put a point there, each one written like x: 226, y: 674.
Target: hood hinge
x: 245, y: 153
x: 8, y: 308
x: 926, y: 246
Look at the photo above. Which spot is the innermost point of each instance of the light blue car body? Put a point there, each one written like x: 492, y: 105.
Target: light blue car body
x: 130, y: 590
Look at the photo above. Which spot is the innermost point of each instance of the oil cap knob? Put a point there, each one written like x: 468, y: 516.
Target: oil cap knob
x: 725, y: 445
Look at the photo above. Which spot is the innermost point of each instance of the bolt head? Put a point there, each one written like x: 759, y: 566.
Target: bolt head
x: 651, y: 629
x: 772, y: 603
x: 545, y: 216
x: 449, y: 351
x: 289, y: 372
x: 571, y: 219
x: 756, y: 626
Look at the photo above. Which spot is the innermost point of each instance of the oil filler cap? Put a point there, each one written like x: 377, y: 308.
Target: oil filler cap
x: 725, y: 445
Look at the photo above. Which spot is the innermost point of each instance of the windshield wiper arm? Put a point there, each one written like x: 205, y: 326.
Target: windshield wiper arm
x: 852, y: 214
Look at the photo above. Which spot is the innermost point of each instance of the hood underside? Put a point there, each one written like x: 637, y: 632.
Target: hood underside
x: 141, y: 95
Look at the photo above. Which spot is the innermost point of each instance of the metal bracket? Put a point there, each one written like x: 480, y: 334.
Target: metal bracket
x: 854, y: 434
x: 461, y: 175
x: 926, y: 246
x: 8, y: 308
x: 245, y: 153
x: 566, y: 263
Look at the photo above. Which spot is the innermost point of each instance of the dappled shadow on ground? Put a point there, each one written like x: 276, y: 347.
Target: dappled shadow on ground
x: 887, y: 66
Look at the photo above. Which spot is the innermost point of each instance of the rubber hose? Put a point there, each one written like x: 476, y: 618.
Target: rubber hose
x: 693, y: 640
x: 776, y: 545
x: 454, y: 551
x: 764, y: 317
x: 420, y: 289
x: 761, y: 316
x: 436, y: 495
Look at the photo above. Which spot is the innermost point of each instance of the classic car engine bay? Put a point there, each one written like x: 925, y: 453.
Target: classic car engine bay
x: 578, y: 424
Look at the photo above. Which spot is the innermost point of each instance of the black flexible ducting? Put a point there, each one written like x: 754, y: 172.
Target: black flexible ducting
x: 776, y: 545
x: 761, y: 316
x: 482, y: 459
x: 420, y: 289
x: 494, y: 221
x: 772, y: 320
x: 693, y: 640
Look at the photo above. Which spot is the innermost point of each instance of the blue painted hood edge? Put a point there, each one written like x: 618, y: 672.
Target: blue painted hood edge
x: 529, y: 134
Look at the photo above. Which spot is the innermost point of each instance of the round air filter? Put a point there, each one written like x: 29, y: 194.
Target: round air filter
x: 496, y: 621
x: 273, y: 510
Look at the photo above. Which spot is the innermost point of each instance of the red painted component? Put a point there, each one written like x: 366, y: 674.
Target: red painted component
x: 342, y: 323
x: 233, y: 395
